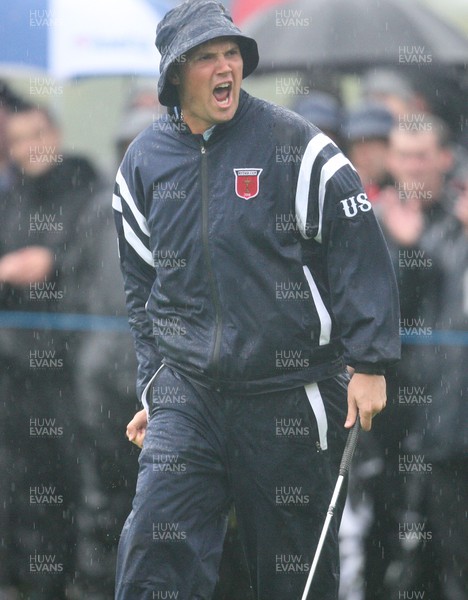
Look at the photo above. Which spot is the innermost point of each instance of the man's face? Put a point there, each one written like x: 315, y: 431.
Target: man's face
x: 33, y: 142
x: 417, y: 159
x: 209, y: 82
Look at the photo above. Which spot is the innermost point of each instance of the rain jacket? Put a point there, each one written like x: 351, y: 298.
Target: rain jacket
x: 251, y: 257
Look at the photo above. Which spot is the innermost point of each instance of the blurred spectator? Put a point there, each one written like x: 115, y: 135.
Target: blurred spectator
x: 5, y: 165
x: 419, y: 160
x: 410, y: 212
x: 434, y: 92
x: 366, y: 134
x: 38, y: 413
x: 392, y: 89
x: 440, y: 435
x: 8, y: 102
x: 324, y: 111
x: 420, y: 157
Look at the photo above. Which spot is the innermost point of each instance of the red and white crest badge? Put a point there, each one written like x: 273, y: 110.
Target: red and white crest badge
x: 247, y: 182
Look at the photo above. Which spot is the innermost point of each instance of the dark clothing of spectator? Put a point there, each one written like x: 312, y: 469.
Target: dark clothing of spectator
x: 420, y: 283
x: 38, y: 417
x: 436, y: 501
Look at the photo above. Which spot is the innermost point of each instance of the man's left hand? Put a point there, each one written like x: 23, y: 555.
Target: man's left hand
x: 366, y: 394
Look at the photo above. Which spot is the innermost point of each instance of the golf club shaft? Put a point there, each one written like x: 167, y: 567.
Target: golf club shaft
x: 348, y: 452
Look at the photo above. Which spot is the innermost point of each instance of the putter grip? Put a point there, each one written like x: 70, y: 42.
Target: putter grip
x: 350, y: 447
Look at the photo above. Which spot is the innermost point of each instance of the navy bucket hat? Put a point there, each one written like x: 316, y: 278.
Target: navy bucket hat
x: 188, y: 25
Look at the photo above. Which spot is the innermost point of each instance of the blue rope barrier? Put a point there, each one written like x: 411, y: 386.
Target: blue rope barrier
x: 82, y: 322
x: 437, y: 338
x: 62, y: 321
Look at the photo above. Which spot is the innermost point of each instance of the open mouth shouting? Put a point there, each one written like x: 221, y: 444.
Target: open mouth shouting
x: 222, y: 94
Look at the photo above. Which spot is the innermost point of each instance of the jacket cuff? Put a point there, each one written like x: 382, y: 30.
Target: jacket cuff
x: 369, y: 368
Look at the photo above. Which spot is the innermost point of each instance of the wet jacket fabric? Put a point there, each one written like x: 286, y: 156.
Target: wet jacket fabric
x: 252, y: 259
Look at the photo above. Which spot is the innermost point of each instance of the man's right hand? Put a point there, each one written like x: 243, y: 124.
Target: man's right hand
x: 136, y: 429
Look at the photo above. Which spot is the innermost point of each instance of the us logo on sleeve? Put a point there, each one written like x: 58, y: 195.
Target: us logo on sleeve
x: 351, y: 207
x: 247, y: 182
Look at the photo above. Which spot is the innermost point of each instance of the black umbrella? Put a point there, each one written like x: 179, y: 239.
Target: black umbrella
x: 346, y: 34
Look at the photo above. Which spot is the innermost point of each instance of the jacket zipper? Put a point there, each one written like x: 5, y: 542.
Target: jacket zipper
x: 208, y: 262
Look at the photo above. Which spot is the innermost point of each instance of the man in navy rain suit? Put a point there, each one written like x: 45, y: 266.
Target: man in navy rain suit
x: 256, y: 279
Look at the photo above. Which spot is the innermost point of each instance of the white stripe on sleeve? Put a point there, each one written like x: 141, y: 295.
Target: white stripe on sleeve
x: 328, y: 170
x: 135, y: 242
x: 127, y: 197
x: 116, y: 203
x: 323, y: 314
x: 314, y: 147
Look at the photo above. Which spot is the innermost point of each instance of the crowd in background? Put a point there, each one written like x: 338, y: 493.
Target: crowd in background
x: 67, y: 386
x: 404, y: 531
